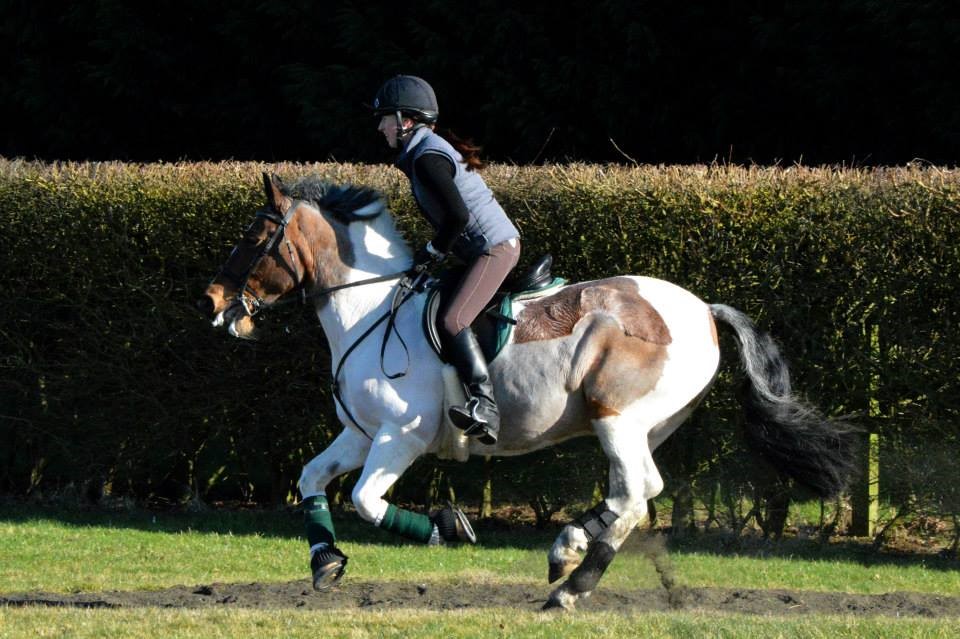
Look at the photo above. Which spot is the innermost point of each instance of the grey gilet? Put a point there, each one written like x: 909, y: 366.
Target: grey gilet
x: 488, y: 224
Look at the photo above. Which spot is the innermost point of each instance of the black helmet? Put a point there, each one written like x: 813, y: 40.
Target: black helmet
x: 407, y: 94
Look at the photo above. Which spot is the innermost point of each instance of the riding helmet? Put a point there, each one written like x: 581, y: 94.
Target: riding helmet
x: 407, y: 94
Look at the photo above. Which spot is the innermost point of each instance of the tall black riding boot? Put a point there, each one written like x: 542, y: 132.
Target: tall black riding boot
x: 480, y: 417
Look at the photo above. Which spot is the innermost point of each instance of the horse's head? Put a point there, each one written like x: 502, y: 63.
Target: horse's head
x: 301, y: 242
x: 269, y: 261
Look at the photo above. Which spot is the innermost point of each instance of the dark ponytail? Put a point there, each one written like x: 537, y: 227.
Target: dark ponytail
x: 466, y: 148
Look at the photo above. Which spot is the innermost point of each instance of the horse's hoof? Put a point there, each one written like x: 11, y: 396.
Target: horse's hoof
x: 560, y: 599
x: 453, y: 525
x: 552, y: 604
x: 328, y: 566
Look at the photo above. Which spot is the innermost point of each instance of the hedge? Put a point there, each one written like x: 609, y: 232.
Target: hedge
x: 112, y: 379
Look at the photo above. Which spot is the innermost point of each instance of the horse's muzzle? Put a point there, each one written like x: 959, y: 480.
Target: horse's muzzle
x: 213, y: 302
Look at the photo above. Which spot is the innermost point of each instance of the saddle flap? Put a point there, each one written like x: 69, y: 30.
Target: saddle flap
x: 491, y: 328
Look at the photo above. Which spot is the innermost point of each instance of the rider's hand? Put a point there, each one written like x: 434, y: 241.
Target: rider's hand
x: 426, y: 257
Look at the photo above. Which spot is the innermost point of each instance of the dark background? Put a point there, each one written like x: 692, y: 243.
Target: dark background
x: 860, y: 82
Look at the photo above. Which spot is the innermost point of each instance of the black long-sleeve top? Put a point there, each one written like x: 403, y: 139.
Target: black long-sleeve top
x: 436, y: 174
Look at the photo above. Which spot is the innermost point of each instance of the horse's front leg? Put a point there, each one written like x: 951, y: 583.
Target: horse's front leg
x: 347, y: 452
x: 394, y: 449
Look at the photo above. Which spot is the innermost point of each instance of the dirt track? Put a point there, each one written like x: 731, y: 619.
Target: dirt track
x: 399, y: 595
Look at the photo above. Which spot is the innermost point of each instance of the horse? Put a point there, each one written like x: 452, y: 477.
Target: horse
x: 625, y: 359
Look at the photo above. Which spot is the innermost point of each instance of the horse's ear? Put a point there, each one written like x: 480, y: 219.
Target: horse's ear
x: 271, y: 188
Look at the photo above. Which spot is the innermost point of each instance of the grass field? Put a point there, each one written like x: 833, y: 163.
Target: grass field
x: 45, y: 550
x: 30, y: 623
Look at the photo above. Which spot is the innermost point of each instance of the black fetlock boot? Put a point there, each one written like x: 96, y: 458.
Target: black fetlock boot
x: 480, y: 417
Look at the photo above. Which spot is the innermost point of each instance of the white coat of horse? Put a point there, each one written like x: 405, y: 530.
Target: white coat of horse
x: 625, y: 359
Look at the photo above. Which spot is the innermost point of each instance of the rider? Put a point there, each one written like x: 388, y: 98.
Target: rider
x: 467, y: 221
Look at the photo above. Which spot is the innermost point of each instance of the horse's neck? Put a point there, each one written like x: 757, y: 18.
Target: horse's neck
x: 377, y: 250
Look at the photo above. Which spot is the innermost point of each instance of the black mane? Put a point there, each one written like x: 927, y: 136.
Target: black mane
x: 341, y: 200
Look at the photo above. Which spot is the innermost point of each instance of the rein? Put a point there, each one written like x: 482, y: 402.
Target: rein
x: 253, y: 307
x: 406, y: 290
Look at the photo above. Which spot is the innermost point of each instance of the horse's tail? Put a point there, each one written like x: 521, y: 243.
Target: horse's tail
x: 792, y: 435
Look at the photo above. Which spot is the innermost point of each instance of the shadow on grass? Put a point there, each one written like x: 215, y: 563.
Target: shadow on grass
x: 286, y: 523
x: 859, y: 551
x: 496, y: 533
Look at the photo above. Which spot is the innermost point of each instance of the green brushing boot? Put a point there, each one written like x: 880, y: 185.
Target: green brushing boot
x: 327, y: 563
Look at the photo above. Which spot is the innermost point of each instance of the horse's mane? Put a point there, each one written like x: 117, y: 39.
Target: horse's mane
x: 341, y: 200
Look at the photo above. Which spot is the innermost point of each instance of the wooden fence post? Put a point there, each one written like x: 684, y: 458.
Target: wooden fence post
x: 866, y: 491
x: 865, y: 498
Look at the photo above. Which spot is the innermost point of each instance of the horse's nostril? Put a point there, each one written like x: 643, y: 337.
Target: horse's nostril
x: 205, y: 305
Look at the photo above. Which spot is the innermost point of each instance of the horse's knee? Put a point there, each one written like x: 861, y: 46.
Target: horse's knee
x: 370, y: 506
x: 309, y: 482
x: 315, y: 476
x: 654, y: 487
x: 612, y: 520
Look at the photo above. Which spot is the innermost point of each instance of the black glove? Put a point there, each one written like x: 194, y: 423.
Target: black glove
x: 424, y: 258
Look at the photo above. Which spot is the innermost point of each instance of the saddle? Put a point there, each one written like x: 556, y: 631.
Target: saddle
x: 494, y: 325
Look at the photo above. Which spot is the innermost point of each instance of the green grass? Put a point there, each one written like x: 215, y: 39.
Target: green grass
x: 150, y: 551
x: 41, y: 549
x: 494, y: 622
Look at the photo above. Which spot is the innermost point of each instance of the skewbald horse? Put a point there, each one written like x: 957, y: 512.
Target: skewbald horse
x: 624, y: 359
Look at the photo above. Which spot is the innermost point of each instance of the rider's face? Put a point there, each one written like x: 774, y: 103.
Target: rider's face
x: 388, y: 126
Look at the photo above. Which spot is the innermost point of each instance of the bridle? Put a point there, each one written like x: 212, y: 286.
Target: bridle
x: 248, y: 298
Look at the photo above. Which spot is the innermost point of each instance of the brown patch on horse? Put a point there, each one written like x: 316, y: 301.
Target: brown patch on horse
x: 328, y: 255
x: 599, y: 411
x: 623, y: 369
x: 557, y: 315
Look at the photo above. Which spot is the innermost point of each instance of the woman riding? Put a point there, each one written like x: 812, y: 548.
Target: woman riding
x: 467, y: 221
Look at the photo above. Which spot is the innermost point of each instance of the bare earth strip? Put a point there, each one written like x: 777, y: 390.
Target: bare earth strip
x: 409, y: 595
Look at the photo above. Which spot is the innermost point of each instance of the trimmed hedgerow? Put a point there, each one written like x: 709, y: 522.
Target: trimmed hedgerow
x: 109, y: 374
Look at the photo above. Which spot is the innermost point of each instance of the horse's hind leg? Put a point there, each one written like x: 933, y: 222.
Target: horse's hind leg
x: 634, y: 478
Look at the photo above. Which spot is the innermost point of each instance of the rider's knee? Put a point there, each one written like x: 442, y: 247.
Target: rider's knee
x: 450, y: 326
